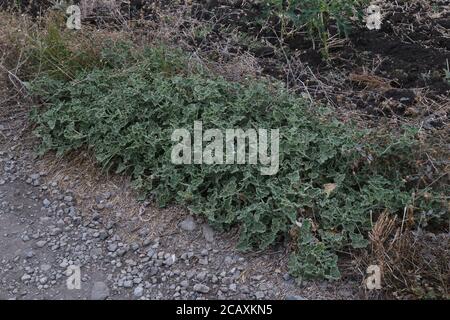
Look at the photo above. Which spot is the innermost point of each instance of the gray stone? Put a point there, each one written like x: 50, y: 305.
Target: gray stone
x: 55, y: 231
x: 43, y: 280
x: 153, y: 271
x: 41, y: 243
x: 35, y: 176
x: 45, y: 267
x: 188, y: 224
x: 46, y: 202
x: 25, y: 277
x: 184, y: 283
x: 199, y: 287
x: 286, y: 277
x: 96, y: 252
x: 208, y: 233
x: 228, y: 260
x: 100, y: 291
x: 201, y: 276
x: 170, y: 260
x: 151, y: 253
x: 294, y: 297
x: 138, y: 291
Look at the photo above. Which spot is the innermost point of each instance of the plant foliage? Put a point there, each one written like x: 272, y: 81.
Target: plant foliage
x: 126, y: 111
x: 317, y: 15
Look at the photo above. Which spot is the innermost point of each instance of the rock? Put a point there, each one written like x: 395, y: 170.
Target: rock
x: 143, y: 232
x: 103, y: 234
x: 151, y: 253
x: 188, y: 224
x: 228, y: 260
x: 153, y: 271
x: 294, y: 297
x: 25, y: 277
x: 201, y: 276
x: 46, y: 203
x: 96, y: 216
x: 208, y: 233
x: 259, y: 295
x: 184, y: 283
x: 138, y: 291
x: 121, y: 252
x: 96, y: 252
x: 41, y: 243
x: 100, y: 291
x: 29, y: 254
x: 131, y: 262
x: 170, y: 260
x: 43, y: 280
x: 112, y: 247
x: 55, y: 231
x: 201, y: 288
x: 45, y: 267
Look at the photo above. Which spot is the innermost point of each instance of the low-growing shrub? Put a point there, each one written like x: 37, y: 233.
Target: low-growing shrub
x: 332, y: 176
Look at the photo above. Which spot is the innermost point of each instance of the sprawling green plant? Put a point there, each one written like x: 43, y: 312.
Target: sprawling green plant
x: 332, y: 176
x: 317, y: 15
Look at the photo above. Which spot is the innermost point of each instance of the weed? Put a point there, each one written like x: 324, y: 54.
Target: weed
x: 56, y: 51
x: 317, y: 15
x: 126, y: 111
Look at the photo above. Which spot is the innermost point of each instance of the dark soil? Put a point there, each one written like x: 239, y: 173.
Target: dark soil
x: 396, y: 68
x: 408, y: 54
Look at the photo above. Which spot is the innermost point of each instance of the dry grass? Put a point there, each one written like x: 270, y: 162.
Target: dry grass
x: 414, y: 264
